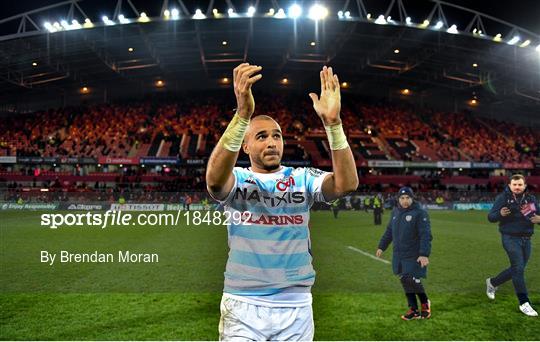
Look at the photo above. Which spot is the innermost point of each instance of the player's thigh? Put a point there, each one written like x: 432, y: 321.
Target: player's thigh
x: 513, y: 249
x: 241, y: 321
x: 295, y: 324
x: 527, y: 249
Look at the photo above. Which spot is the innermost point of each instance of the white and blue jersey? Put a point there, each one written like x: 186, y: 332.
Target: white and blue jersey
x: 270, y: 252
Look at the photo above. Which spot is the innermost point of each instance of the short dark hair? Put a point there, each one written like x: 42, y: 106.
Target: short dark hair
x: 262, y: 117
x: 518, y: 176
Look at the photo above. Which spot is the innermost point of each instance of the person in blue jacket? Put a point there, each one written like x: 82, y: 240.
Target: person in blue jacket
x: 516, y: 212
x: 410, y: 231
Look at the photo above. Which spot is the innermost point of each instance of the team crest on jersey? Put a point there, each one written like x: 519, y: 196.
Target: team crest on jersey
x: 284, y: 183
x: 408, y: 218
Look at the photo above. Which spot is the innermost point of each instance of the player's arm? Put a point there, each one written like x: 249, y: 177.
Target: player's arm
x: 219, y: 175
x: 344, y: 178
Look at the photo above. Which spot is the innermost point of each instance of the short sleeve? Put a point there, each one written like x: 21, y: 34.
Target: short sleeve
x: 314, y: 180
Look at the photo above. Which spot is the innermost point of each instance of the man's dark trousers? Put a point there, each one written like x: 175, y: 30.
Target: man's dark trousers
x: 377, y: 215
x: 518, y: 250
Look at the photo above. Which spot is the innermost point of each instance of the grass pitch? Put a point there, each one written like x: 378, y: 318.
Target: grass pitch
x: 355, y: 296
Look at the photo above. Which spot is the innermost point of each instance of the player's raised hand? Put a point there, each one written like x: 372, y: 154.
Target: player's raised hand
x: 244, y: 77
x: 328, y: 105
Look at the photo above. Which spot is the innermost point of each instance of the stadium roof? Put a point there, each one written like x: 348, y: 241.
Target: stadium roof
x: 481, y: 57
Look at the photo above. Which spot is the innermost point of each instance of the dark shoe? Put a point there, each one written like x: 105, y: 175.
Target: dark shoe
x: 425, y: 312
x: 410, y: 315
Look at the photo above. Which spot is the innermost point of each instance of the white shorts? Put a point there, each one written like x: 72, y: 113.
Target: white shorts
x: 241, y: 321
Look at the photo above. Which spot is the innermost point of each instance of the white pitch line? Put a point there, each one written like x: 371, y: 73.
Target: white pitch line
x: 367, y: 254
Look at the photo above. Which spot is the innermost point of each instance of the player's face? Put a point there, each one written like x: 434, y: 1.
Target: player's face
x: 517, y: 186
x: 264, y: 145
x: 405, y: 201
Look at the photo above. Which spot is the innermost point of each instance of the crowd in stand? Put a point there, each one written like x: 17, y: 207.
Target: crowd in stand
x: 118, y: 130
x: 476, y: 141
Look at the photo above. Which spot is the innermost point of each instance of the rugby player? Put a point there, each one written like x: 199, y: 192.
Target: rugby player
x: 269, y: 273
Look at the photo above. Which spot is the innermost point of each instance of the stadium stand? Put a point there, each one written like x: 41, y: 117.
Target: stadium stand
x: 188, y: 129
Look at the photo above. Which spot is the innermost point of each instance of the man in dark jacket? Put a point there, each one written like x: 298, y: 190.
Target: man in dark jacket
x: 516, y: 212
x: 410, y: 231
x: 377, y: 210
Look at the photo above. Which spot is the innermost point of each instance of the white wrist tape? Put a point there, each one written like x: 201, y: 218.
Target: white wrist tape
x: 233, y: 136
x: 336, y: 137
